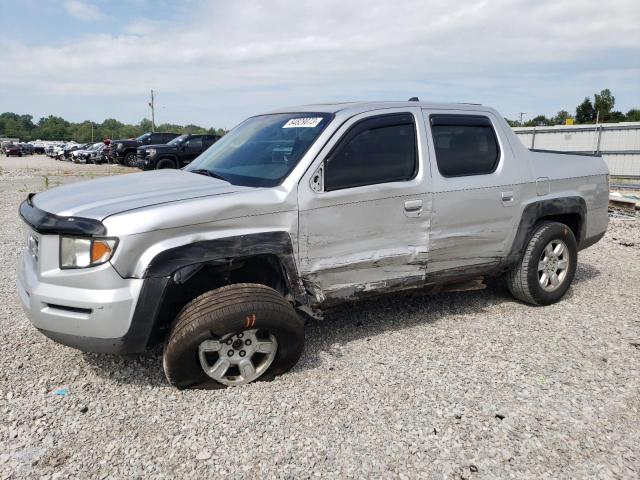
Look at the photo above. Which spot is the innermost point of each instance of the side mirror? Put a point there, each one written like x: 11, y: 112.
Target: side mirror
x: 317, y: 179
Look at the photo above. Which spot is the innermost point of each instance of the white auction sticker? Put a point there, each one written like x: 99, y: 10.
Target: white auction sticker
x: 303, y: 122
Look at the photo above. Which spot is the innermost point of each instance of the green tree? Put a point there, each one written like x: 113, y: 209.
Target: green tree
x: 615, y: 117
x: 603, y: 104
x: 53, y: 128
x: 14, y: 125
x: 560, y: 118
x: 585, y: 113
x: 111, y: 128
x: 57, y: 128
x: 633, y: 115
x: 194, y: 129
x: 538, y: 121
x: 145, y: 125
x: 512, y: 123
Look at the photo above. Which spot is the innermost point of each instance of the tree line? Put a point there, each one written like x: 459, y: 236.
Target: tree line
x: 13, y: 125
x: 600, y: 110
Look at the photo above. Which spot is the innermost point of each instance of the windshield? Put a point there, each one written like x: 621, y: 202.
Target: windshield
x: 143, y: 137
x: 178, y: 140
x: 262, y: 150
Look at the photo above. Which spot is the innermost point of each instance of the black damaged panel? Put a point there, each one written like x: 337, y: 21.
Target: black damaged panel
x: 230, y: 248
x: 45, y: 222
x: 537, y: 211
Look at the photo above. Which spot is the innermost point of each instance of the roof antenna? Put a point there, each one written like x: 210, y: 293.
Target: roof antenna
x: 414, y: 99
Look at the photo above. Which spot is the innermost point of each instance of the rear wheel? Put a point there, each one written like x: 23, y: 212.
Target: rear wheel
x: 165, y: 163
x: 548, y: 265
x: 233, y: 336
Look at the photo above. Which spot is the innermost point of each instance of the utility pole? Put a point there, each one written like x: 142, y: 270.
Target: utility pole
x: 153, y: 114
x: 521, y: 116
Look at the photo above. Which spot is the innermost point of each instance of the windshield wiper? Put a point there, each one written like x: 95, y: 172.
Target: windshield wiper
x: 210, y: 173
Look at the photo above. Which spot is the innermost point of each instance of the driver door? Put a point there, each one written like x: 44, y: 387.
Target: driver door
x: 364, y: 208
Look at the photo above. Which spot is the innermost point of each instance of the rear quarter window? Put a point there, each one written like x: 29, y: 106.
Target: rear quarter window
x: 464, y: 145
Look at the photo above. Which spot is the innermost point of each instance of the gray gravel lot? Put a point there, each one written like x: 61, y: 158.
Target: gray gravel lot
x: 459, y: 385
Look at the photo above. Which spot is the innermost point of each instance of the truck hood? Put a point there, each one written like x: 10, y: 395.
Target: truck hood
x: 107, y: 196
x: 160, y: 147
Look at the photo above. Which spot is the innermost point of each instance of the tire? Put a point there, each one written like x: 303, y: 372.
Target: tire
x: 130, y: 159
x: 230, y: 311
x: 525, y: 281
x: 165, y: 163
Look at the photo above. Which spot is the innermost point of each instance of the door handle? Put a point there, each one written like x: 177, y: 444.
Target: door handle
x: 413, y: 208
x: 413, y: 205
x: 507, y: 196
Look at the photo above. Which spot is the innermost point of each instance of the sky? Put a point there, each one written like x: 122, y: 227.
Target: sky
x: 213, y: 62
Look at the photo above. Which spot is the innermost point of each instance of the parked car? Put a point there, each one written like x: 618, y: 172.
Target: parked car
x: 58, y: 152
x: 13, y: 150
x: 95, y: 153
x: 74, y: 155
x: 81, y: 155
x: 177, y: 153
x: 27, y: 148
x: 124, y: 151
x: 70, y: 148
x: 292, y: 212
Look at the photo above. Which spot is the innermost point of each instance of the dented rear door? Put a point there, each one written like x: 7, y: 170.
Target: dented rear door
x: 356, y: 238
x: 474, y: 203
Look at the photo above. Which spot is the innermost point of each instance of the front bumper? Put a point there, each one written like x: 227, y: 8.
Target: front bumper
x: 92, y: 311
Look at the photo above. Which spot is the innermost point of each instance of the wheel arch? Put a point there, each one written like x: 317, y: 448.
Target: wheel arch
x: 571, y: 211
x: 177, y: 275
x: 167, y: 156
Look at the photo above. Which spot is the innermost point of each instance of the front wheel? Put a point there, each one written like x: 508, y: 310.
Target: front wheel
x: 130, y: 159
x: 165, y: 163
x: 548, y: 265
x: 233, y: 336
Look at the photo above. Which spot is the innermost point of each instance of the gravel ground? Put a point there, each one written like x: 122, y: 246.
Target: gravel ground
x: 459, y: 385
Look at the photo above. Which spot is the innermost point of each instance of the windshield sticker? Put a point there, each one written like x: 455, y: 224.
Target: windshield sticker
x: 303, y: 122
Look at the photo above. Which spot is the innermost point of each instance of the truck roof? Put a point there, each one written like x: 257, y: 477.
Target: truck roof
x: 354, y: 108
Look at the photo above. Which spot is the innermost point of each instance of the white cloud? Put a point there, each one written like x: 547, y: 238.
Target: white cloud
x: 82, y: 10
x: 247, y: 56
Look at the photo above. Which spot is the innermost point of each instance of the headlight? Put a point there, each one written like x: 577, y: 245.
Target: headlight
x: 85, y: 252
x: 151, y: 152
x: 119, y: 146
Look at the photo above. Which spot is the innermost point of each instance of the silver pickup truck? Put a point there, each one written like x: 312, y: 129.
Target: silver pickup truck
x: 292, y: 212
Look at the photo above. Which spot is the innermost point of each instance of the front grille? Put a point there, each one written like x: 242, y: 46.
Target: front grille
x: 141, y: 154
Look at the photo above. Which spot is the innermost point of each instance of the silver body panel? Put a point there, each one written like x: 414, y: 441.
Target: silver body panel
x: 344, y: 242
x: 94, y: 302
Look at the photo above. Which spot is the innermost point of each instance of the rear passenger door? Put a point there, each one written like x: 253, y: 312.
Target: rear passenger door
x: 207, y: 141
x: 156, y: 139
x: 476, y: 183
x: 191, y: 149
x: 364, y: 207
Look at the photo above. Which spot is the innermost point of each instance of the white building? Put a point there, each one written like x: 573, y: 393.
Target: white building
x: 618, y: 143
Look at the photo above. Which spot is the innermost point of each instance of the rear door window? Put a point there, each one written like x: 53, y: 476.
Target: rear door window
x: 194, y: 144
x: 208, y: 141
x: 464, y: 145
